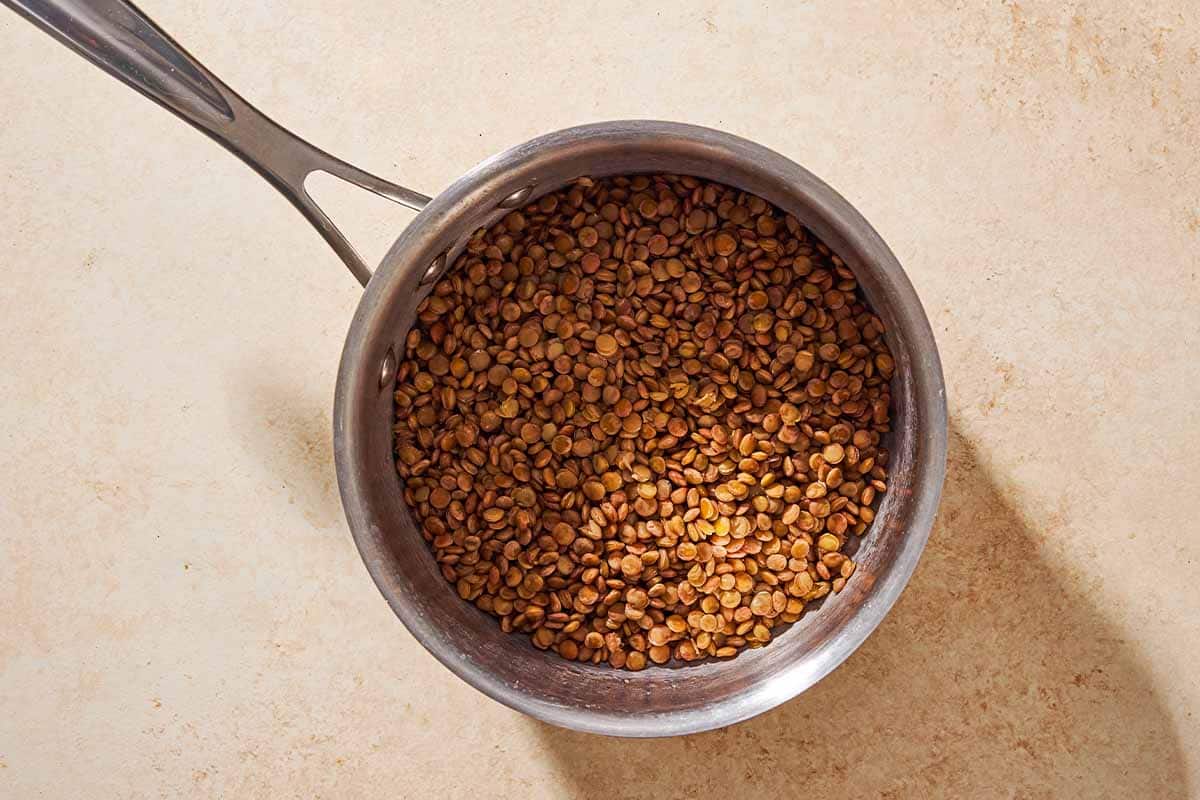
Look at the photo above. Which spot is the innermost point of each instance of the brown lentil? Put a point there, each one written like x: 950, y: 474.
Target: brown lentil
x: 640, y: 419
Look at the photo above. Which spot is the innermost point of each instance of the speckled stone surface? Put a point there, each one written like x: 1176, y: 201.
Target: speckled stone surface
x: 184, y: 612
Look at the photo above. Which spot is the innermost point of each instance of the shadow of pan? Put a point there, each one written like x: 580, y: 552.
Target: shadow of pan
x: 286, y: 426
x: 996, y: 675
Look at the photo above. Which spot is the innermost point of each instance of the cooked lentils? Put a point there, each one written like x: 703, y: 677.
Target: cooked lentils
x: 639, y: 419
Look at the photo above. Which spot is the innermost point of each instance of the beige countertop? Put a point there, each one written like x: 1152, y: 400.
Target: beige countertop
x: 185, y: 614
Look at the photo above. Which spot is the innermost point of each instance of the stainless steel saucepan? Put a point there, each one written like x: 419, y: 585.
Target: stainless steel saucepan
x: 658, y: 701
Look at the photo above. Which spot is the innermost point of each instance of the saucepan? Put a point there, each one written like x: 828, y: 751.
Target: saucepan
x: 658, y: 701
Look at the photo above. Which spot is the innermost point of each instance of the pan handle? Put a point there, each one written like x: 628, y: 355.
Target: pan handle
x: 117, y: 37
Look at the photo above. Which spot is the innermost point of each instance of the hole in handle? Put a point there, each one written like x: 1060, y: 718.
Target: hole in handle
x: 371, y: 222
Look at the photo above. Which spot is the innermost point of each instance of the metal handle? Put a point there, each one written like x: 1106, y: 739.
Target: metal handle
x: 117, y: 37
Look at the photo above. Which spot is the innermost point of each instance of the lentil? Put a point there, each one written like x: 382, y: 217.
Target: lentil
x: 640, y: 420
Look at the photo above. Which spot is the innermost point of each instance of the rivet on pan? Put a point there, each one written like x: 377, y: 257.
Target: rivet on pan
x: 434, y: 270
x: 387, y: 371
x: 517, y: 198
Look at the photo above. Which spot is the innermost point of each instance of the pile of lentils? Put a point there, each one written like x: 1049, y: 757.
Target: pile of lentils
x: 640, y: 418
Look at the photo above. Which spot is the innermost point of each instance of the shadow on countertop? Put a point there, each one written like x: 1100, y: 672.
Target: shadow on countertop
x: 287, y: 427
x: 996, y: 675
